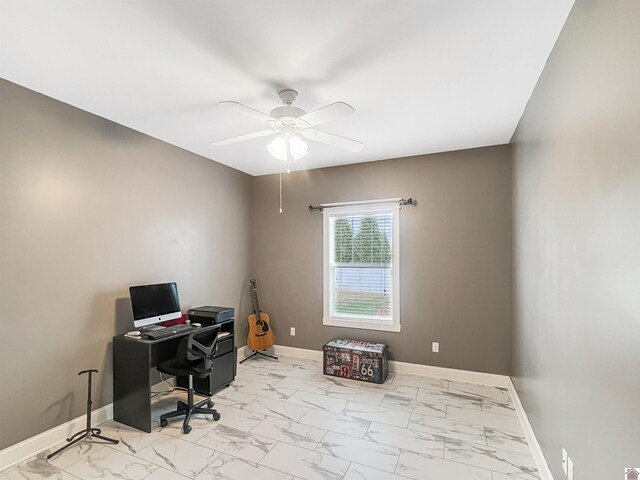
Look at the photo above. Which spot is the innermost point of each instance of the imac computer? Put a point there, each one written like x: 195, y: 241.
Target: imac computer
x: 152, y: 304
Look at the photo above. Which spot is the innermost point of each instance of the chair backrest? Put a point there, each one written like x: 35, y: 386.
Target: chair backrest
x: 199, y: 348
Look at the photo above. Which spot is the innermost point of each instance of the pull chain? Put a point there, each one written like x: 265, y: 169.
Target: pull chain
x: 280, y: 187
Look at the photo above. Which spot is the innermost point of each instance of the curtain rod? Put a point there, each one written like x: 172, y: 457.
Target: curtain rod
x: 401, y: 201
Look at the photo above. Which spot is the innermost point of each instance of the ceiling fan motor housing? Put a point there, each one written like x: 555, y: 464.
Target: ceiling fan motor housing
x: 288, y: 114
x: 287, y: 111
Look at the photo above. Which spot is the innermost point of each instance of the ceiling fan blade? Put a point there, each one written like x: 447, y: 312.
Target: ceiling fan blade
x: 325, y: 114
x: 239, y: 107
x: 240, y: 138
x: 334, y: 140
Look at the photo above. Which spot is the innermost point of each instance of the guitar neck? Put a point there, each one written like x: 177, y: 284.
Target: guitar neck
x: 256, y: 304
x: 257, y: 309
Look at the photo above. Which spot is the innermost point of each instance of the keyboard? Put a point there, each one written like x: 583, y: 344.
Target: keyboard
x: 167, y: 331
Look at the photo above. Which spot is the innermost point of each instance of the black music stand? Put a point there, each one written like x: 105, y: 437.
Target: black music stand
x: 88, y: 432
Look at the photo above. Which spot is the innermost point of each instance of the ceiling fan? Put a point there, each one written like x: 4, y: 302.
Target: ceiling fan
x: 291, y: 123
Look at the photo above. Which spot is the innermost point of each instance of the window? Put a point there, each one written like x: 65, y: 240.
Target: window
x: 361, y: 262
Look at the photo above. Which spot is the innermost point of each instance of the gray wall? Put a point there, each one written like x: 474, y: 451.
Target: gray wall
x: 87, y: 208
x: 455, y: 254
x: 576, y: 214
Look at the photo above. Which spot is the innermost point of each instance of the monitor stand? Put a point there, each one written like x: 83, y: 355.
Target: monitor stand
x: 151, y: 328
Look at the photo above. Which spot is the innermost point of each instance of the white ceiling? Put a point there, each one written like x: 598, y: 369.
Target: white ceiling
x: 423, y: 76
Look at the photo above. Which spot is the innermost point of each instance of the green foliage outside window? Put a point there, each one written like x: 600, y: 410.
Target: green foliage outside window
x: 343, y: 241
x: 369, y: 245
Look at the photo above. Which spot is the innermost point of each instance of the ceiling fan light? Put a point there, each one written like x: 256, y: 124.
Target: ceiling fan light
x: 296, y: 147
x: 278, y: 148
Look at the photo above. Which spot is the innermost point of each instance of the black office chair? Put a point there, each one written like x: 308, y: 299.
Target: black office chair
x: 194, y: 358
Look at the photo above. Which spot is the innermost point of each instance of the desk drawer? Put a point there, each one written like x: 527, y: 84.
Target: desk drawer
x: 223, y: 374
x: 225, y: 346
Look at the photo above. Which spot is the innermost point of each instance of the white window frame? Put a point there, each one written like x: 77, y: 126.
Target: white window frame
x: 354, y: 322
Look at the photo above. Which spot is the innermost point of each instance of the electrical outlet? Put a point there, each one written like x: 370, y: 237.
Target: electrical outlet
x: 435, y: 347
x: 570, y: 468
x: 564, y: 460
x: 293, y: 331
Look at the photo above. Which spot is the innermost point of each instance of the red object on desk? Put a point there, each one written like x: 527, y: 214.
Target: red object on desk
x: 177, y: 321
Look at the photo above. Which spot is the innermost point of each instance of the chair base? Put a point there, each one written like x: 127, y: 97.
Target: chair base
x: 189, y: 409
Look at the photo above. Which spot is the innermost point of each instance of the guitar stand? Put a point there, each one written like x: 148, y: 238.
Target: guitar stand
x: 88, y: 432
x: 256, y: 352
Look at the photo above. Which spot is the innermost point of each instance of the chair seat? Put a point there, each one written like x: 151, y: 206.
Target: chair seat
x: 179, y: 369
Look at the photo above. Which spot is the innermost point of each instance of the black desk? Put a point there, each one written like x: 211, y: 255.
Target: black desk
x: 133, y: 360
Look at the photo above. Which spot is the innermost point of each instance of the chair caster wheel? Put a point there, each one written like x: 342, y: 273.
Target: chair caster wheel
x: 216, y: 416
x: 163, y: 423
x: 210, y: 404
x: 186, y: 429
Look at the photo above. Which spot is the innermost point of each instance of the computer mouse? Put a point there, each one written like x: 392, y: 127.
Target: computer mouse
x: 134, y: 333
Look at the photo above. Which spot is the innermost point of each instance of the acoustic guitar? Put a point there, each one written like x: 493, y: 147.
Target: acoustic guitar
x: 260, y: 335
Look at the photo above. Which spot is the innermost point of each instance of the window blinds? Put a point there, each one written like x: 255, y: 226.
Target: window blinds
x: 360, y: 264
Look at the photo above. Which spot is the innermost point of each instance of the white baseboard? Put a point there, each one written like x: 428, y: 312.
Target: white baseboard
x: 30, y: 447
x: 453, y: 374
x: 536, y: 450
x: 298, y: 352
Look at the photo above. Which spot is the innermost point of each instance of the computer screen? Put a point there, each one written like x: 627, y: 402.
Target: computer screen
x: 154, y: 303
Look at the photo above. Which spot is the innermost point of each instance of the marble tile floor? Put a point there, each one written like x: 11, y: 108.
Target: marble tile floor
x: 284, y: 420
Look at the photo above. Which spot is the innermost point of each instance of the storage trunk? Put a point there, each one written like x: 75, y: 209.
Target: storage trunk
x: 356, y: 360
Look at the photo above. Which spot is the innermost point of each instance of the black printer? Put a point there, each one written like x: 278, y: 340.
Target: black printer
x: 209, y: 315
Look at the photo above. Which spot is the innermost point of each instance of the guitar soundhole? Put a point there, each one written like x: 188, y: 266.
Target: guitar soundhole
x: 262, y: 325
